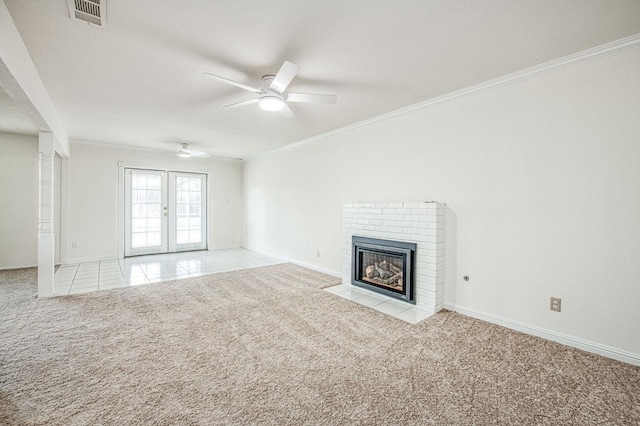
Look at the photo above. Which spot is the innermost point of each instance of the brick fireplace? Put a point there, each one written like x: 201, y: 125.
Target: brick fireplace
x: 419, y: 223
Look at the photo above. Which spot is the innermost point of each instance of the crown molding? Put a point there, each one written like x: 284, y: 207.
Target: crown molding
x: 150, y: 149
x: 607, y: 49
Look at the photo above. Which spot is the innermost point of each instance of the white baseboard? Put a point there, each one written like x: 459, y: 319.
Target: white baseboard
x: 9, y: 268
x: 224, y: 248
x: 574, y: 342
x: 71, y: 261
x: 314, y: 267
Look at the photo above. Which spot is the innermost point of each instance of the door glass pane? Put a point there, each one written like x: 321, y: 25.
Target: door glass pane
x: 138, y: 239
x: 154, y: 182
x: 182, y: 237
x: 188, y: 210
x: 154, y: 239
x: 153, y: 210
x: 146, y: 210
x: 139, y: 225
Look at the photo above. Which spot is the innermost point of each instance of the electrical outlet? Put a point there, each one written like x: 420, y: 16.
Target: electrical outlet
x: 556, y: 304
x: 74, y: 244
x: 317, y: 253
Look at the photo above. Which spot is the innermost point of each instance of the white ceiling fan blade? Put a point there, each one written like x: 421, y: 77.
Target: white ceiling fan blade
x: 286, y: 111
x: 281, y: 81
x: 242, y: 103
x: 310, y: 97
x: 200, y: 154
x: 234, y: 83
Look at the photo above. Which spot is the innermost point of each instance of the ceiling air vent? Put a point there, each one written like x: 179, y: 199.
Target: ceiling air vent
x: 91, y: 11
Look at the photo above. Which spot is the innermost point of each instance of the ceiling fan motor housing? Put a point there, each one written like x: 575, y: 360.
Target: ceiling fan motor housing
x: 270, y: 99
x: 267, y: 79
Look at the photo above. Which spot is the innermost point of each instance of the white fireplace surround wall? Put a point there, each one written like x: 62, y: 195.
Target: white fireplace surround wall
x: 420, y: 223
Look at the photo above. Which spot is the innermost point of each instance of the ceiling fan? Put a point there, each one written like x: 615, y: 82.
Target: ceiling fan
x: 186, y: 152
x: 272, y: 95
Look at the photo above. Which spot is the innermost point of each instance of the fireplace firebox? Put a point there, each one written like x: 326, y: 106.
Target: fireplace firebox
x: 384, y: 266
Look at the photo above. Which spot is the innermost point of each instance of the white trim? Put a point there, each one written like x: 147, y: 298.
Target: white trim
x: 10, y: 268
x: 209, y: 196
x: 64, y: 209
x: 46, y: 237
x: 73, y: 261
x: 607, y: 49
x: 312, y: 267
x: 120, y: 209
x: 149, y: 149
x: 227, y: 248
x: 161, y: 168
x: 574, y: 342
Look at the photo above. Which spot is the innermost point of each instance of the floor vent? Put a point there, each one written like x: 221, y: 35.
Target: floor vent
x: 90, y: 11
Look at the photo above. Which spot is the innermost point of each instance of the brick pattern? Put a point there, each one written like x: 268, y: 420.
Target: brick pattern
x: 420, y: 223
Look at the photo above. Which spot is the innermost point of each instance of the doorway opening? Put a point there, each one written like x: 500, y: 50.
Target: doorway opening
x: 164, y: 211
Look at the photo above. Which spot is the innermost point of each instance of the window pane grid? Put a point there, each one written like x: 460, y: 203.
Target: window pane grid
x: 188, y: 210
x: 146, y: 210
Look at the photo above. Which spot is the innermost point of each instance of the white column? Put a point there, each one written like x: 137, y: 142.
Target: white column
x: 46, y: 250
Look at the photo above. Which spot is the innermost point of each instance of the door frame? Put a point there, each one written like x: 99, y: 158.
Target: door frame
x: 121, y: 196
x: 173, y: 216
x: 164, y: 190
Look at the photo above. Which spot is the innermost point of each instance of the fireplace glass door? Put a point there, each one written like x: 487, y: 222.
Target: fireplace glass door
x: 384, y: 266
x: 382, y: 269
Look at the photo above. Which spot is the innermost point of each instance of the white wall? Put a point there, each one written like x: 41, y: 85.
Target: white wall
x: 18, y: 200
x: 542, y: 183
x: 93, y: 196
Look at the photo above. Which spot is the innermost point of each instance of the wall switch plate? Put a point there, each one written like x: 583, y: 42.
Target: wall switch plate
x: 556, y: 304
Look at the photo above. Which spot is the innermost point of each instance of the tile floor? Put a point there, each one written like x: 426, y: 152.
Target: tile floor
x: 107, y: 274
x: 384, y: 304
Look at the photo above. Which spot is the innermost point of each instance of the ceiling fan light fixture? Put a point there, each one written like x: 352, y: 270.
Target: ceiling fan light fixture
x: 271, y: 103
x: 184, y: 151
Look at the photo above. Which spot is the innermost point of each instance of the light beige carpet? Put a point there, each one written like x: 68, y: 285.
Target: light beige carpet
x: 266, y: 346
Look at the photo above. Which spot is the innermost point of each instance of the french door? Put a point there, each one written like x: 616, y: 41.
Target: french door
x: 164, y: 211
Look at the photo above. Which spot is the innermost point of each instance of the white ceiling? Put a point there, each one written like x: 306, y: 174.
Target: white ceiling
x: 13, y: 118
x: 139, y: 82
